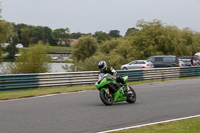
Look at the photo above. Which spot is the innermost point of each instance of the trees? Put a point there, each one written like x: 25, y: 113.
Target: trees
x: 29, y: 34
x: 165, y: 39
x: 23, y: 33
x: 97, y: 33
x: 130, y: 31
x: 24, y: 37
x: 75, y: 35
x: 115, y: 33
x: 102, y: 36
x: 156, y: 38
x: 46, y: 34
x: 61, y: 35
x: 151, y: 38
x: 109, y: 45
x: 11, y: 49
x: 40, y: 33
x: 110, y: 50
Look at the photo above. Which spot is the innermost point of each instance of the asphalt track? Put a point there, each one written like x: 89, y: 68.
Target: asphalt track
x: 84, y: 111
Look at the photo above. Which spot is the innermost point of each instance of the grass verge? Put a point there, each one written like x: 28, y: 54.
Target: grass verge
x: 14, y: 94
x: 182, y: 126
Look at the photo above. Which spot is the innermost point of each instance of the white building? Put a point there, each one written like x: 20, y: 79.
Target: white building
x: 19, y: 45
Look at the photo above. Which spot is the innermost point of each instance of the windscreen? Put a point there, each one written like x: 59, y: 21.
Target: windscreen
x: 102, y: 76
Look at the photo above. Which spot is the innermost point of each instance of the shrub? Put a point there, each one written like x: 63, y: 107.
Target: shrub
x: 34, y: 60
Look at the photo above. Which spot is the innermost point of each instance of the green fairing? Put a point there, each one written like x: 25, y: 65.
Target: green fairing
x: 117, y: 96
x: 125, y: 78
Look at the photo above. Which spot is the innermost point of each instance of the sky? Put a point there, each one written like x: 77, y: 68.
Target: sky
x: 89, y: 16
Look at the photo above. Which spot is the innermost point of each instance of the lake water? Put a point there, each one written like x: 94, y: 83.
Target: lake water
x: 55, y: 67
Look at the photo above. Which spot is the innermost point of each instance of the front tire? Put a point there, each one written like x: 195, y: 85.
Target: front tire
x: 131, y: 98
x: 105, y: 98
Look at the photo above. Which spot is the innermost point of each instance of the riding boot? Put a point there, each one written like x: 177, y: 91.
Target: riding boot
x: 127, y: 87
x: 127, y: 91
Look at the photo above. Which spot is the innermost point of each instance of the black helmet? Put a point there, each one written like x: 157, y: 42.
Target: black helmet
x: 102, y: 65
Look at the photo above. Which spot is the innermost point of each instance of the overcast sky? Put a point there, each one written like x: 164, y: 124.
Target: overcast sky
x: 89, y: 16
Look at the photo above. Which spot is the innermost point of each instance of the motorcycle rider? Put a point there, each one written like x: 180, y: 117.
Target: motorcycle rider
x: 106, y: 69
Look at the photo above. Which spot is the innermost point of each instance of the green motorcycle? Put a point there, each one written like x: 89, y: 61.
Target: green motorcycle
x: 111, y: 91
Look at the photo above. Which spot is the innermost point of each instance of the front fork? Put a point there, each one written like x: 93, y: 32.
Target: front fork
x: 109, y: 92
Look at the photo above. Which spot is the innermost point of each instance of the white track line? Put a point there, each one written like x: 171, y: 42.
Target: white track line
x: 148, y: 124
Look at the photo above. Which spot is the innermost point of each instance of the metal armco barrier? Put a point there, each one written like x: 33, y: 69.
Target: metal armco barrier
x: 18, y: 81
x: 24, y: 81
x: 133, y: 75
x: 161, y: 73
x: 67, y: 78
x: 190, y: 72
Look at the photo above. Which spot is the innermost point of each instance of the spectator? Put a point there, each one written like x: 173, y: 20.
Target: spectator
x: 198, y: 61
x: 192, y: 61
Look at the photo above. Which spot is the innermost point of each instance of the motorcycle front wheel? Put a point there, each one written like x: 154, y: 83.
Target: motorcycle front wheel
x: 131, y: 98
x: 105, y: 98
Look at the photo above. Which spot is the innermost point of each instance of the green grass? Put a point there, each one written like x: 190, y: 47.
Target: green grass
x: 6, y: 95
x: 182, y: 126
x: 59, y: 48
x: 55, y: 49
x: 4, y: 55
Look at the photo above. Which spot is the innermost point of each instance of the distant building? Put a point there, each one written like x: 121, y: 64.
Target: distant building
x: 17, y: 55
x: 71, y: 42
x: 19, y: 45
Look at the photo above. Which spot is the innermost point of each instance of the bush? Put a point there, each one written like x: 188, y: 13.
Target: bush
x: 84, y: 48
x: 34, y: 60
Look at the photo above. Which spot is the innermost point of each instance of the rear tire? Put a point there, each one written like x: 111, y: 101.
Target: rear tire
x: 131, y: 98
x: 105, y: 98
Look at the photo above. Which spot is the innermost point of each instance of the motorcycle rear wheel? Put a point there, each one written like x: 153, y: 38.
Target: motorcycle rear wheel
x: 131, y: 98
x: 105, y: 98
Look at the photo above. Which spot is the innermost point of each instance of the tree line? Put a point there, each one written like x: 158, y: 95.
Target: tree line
x: 29, y: 34
x: 147, y: 39
x: 150, y: 38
